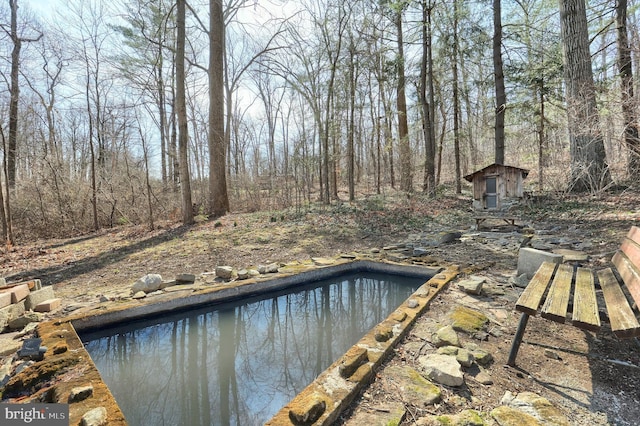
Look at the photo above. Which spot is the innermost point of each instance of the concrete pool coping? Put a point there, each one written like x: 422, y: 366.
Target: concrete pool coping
x: 320, y: 403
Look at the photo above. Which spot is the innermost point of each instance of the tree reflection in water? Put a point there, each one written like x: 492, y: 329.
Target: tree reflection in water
x: 238, y: 364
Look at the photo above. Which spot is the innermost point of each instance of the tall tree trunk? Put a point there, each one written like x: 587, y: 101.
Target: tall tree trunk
x: 589, y: 169
x: 219, y: 198
x: 501, y: 97
x: 629, y: 114
x: 15, y: 95
x: 404, y: 145
x: 181, y: 107
x: 5, y: 206
x: 352, y: 123
x: 428, y: 109
x: 456, y: 100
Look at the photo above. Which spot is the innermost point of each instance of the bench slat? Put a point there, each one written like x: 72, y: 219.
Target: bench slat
x: 623, y: 321
x: 585, y: 305
x: 531, y: 297
x: 634, y: 234
x: 555, y: 306
x: 625, y: 264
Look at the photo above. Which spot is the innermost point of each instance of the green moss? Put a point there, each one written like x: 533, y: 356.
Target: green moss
x: 467, y: 320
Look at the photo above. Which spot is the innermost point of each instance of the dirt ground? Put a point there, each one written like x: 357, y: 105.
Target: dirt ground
x: 593, y: 379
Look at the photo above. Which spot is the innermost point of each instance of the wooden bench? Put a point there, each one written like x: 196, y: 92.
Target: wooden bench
x: 563, y: 293
x: 510, y: 220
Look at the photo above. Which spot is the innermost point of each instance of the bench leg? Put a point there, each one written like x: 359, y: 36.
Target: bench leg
x: 517, y: 339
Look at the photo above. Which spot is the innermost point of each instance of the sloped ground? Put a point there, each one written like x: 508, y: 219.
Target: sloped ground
x: 589, y: 380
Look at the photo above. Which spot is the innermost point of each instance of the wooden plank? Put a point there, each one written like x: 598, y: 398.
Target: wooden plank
x: 634, y: 234
x: 531, y: 298
x: 585, y: 304
x: 624, y: 323
x: 627, y: 264
x: 557, y: 301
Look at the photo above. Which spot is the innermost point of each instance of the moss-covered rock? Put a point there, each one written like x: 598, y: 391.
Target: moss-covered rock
x: 468, y: 320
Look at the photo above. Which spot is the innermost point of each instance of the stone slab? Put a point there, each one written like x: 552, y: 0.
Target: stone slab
x: 30, y: 348
x: 11, y: 312
x: 19, y: 293
x: 48, y: 305
x: 5, y: 299
x: 38, y: 296
x: 529, y: 259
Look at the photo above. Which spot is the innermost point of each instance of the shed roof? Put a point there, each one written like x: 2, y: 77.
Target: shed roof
x: 470, y: 177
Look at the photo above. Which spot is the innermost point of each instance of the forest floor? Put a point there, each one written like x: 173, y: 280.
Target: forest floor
x: 104, y: 265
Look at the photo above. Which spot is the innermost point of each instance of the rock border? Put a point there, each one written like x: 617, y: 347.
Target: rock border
x: 338, y: 385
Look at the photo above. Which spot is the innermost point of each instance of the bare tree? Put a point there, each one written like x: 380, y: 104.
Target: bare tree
x: 218, y: 196
x: 501, y: 97
x: 15, y: 91
x: 629, y: 111
x: 589, y: 169
x: 181, y: 108
x: 404, y: 144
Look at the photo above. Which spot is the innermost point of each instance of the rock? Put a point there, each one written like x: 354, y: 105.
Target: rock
x: 529, y: 259
x: 416, y: 390
x: 80, y: 393
x: 551, y: 354
x: 448, y: 350
x: 148, y: 283
x: 472, y: 285
x: 20, y: 322
x: 465, y: 358
x: 352, y: 360
x: 48, y: 305
x: 5, y: 299
x: 388, y: 414
x: 19, y: 293
x: 520, y: 281
x: 28, y: 329
x: 484, y: 378
x: 527, y: 406
x: 243, y: 274
x: 507, y: 416
x: 412, y: 303
x: 420, y: 251
x: 139, y: 295
x: 396, y: 257
x: 442, y: 369
x: 224, y: 272
x: 38, y: 296
x: 5, y: 374
x: 468, y: 320
x: 186, y: 278
x: 307, y: 409
x: 449, y: 237
x: 481, y: 356
x: 9, y: 313
x: 31, y: 349
x: 383, y: 333
x: 572, y: 255
x: 320, y: 261
x: 446, y: 336
x: 463, y: 418
x: 271, y: 268
x: 104, y: 299
x: 95, y: 417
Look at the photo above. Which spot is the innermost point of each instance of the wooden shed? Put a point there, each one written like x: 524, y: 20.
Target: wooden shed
x: 497, y: 187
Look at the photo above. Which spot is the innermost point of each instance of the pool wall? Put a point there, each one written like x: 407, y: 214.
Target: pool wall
x: 320, y: 403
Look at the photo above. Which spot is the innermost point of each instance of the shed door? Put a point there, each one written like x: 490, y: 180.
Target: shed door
x: 491, y: 193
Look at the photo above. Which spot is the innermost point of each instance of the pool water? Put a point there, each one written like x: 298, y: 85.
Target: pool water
x: 239, y: 363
